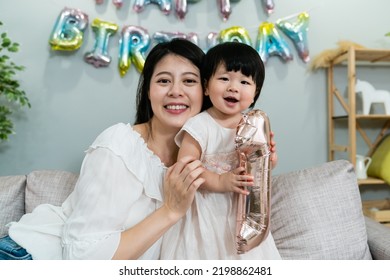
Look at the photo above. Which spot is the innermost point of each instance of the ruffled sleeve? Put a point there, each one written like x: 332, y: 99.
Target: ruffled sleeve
x: 110, y: 194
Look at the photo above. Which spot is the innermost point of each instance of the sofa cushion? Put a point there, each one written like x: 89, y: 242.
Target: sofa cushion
x: 317, y: 214
x: 12, y: 192
x: 48, y: 186
x: 380, y: 163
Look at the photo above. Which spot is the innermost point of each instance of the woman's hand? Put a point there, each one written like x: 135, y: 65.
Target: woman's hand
x: 180, y: 184
x: 274, y: 155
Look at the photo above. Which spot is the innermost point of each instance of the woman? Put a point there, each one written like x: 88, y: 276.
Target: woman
x: 130, y: 190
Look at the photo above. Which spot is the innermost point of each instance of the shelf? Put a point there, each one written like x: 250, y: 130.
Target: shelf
x: 371, y: 181
x: 369, y: 56
x: 364, y: 117
x: 351, y: 59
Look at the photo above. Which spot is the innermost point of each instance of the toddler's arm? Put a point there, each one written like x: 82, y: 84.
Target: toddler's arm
x: 232, y: 181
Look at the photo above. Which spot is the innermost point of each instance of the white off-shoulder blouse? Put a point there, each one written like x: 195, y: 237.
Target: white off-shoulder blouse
x: 120, y: 183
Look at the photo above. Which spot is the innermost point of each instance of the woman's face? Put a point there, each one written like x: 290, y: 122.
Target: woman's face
x: 175, y: 91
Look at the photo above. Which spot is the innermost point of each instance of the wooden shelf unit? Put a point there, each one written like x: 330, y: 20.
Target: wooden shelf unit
x: 371, y: 181
x: 351, y: 59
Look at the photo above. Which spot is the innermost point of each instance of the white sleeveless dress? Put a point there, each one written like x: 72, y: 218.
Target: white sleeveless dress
x: 208, y: 229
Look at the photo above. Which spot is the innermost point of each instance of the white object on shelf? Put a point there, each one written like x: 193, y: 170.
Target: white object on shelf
x: 362, y: 164
x: 370, y: 95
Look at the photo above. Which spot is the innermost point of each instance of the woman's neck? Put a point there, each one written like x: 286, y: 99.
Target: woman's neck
x: 161, y: 142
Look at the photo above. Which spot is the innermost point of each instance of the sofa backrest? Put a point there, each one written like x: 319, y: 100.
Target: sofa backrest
x: 48, y: 186
x: 317, y: 214
x: 12, y: 195
x: 21, y: 194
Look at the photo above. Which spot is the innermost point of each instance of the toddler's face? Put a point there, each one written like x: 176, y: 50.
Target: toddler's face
x: 230, y: 92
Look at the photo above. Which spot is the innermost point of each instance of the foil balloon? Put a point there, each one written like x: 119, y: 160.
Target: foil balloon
x: 297, y: 32
x: 160, y: 37
x: 225, y: 8
x: 212, y: 40
x: 68, y: 31
x: 133, y: 44
x: 181, y: 7
x: 270, y: 43
x: 103, y: 30
x: 268, y: 6
x: 118, y: 3
x: 235, y: 34
x: 252, y: 143
x: 165, y: 5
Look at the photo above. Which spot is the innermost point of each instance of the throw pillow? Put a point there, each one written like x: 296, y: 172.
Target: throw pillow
x: 380, y: 161
x: 317, y: 214
x: 48, y: 186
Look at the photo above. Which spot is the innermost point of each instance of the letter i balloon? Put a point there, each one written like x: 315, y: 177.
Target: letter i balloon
x: 99, y: 57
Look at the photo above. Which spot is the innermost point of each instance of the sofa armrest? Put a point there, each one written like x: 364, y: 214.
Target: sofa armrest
x: 378, y: 239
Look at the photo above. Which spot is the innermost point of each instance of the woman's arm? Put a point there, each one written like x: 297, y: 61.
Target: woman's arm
x: 180, y: 184
x: 104, y: 200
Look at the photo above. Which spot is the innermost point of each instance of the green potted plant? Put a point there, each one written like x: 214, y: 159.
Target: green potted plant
x: 11, y: 95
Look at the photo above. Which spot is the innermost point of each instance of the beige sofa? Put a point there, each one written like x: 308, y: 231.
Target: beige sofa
x: 316, y: 212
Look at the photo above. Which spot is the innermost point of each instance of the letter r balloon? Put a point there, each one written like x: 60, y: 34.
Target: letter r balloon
x: 133, y: 44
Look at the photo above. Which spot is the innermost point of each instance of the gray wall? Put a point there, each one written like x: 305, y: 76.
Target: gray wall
x: 72, y: 102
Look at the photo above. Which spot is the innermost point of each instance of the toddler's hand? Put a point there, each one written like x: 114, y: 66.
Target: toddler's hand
x: 235, y: 181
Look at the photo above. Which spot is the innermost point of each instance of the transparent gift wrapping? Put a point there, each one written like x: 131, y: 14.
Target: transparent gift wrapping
x: 253, y: 211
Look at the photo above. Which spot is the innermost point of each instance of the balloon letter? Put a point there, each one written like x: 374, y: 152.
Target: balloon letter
x: 235, y: 34
x: 165, y: 5
x: 118, y: 3
x: 133, y: 44
x: 211, y: 40
x: 99, y: 56
x: 268, y: 6
x: 160, y: 37
x: 297, y: 32
x: 181, y: 7
x: 269, y: 43
x: 68, y: 31
x: 225, y: 8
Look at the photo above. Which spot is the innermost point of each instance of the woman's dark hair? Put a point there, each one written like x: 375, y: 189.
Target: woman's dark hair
x: 236, y: 57
x: 180, y: 47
